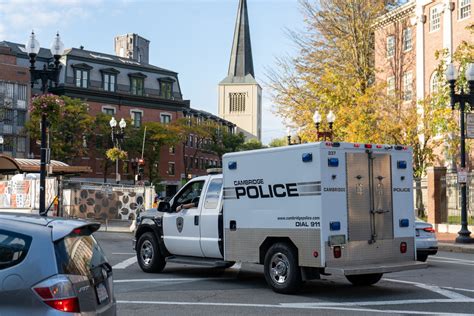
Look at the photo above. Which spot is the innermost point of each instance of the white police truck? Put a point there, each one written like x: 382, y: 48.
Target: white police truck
x: 302, y: 211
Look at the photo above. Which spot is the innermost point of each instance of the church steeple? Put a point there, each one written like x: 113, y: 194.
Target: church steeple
x: 241, y: 63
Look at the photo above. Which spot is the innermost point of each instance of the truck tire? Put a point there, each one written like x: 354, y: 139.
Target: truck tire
x: 149, y: 256
x: 281, y: 269
x: 364, y: 279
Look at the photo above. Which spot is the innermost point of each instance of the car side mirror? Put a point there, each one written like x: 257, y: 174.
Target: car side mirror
x: 164, y: 207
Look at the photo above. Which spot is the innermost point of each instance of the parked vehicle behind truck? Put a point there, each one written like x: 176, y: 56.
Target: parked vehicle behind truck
x: 301, y: 211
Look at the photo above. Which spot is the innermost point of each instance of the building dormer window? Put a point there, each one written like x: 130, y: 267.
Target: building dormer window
x: 137, y: 83
x: 81, y: 75
x: 109, y: 79
x: 166, y: 87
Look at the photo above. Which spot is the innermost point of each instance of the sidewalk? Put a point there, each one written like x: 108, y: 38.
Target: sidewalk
x: 446, y: 242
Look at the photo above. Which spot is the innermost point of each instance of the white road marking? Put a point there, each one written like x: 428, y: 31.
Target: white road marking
x: 457, y: 289
x: 383, y: 303
x: 453, y: 259
x: 299, y: 306
x: 432, y: 288
x: 169, y: 280
x: 126, y: 263
x: 451, y: 262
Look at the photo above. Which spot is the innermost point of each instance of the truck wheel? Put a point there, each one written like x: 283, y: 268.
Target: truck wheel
x: 364, y: 279
x: 281, y: 269
x: 149, y: 256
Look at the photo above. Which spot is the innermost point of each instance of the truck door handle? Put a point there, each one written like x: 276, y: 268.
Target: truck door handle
x: 380, y: 211
x: 233, y: 225
x: 196, y: 220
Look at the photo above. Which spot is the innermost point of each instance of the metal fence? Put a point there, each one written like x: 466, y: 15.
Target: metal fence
x: 453, y: 197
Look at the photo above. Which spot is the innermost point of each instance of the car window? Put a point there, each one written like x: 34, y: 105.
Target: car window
x: 79, y: 255
x: 213, y: 193
x: 13, y: 248
x: 190, y: 193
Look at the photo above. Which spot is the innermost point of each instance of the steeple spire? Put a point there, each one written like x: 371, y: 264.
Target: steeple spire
x: 241, y: 63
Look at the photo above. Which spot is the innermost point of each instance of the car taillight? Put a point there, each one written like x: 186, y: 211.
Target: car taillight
x: 337, y: 251
x: 429, y: 230
x: 58, y: 293
x: 403, y: 247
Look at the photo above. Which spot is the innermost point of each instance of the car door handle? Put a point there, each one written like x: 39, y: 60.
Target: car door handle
x: 196, y: 220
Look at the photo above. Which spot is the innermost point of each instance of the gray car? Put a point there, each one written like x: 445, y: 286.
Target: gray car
x: 52, y: 266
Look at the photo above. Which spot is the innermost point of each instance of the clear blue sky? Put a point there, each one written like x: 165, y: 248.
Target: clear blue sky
x: 191, y: 37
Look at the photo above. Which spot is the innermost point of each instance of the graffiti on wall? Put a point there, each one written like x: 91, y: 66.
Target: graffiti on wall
x: 23, y: 193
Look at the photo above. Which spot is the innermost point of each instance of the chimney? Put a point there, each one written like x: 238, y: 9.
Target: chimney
x: 132, y: 46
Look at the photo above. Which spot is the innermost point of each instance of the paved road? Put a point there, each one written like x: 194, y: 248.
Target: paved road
x: 445, y: 288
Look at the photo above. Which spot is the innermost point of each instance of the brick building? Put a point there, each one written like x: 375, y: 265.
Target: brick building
x: 14, y: 96
x: 125, y: 86
x: 406, y: 40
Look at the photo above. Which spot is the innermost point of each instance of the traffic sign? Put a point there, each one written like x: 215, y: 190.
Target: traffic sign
x: 470, y: 125
x: 462, y: 175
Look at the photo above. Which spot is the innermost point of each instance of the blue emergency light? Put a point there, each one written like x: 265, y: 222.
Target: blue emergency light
x: 335, y: 226
x: 401, y: 164
x: 404, y: 222
x: 307, y: 157
x: 333, y: 162
x: 232, y: 165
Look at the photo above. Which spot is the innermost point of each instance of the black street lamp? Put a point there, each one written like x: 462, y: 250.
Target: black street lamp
x: 49, y: 73
x: 117, y: 140
x: 325, y: 135
x: 462, y: 98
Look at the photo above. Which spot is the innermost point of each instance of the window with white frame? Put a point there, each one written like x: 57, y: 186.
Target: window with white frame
x: 9, y: 90
x: 165, y: 118
x: 109, y: 82
x: 407, y: 86
x: 82, y: 78
x: 390, y: 46
x: 137, y: 118
x: 434, y: 83
x: 407, y: 39
x: 172, y: 150
x: 464, y: 9
x: 391, y: 86
x: 435, y: 18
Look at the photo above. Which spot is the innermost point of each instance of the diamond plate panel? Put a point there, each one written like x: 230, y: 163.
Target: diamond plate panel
x: 361, y: 252
x: 358, y: 196
x: 382, y: 180
x: 243, y: 244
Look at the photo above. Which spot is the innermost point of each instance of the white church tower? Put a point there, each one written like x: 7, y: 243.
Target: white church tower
x: 240, y: 96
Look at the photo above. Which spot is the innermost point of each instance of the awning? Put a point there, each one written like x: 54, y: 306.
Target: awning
x: 9, y: 165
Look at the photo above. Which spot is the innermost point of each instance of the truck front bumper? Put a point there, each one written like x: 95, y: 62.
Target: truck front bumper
x: 376, y: 268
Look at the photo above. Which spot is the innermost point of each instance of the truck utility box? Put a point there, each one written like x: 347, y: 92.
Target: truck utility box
x: 301, y: 211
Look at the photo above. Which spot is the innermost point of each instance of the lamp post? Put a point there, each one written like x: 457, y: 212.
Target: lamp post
x: 49, y: 73
x: 325, y: 135
x: 462, y: 98
x: 117, y: 140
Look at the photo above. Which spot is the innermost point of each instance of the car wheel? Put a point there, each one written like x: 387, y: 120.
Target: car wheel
x: 422, y: 257
x: 364, y: 279
x: 149, y: 256
x: 281, y: 269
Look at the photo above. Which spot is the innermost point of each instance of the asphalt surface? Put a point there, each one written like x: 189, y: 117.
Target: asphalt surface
x: 445, y: 288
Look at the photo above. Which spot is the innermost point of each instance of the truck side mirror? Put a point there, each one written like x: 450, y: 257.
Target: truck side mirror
x: 164, y: 207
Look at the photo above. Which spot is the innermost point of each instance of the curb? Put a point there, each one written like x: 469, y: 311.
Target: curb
x: 456, y: 248
x: 112, y: 229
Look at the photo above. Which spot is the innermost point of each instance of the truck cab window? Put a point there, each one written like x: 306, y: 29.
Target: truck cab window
x: 213, y: 194
x: 190, y: 194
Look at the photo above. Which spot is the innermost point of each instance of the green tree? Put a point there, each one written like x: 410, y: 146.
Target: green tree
x: 251, y: 144
x: 278, y: 142
x: 223, y: 142
x: 69, y: 126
